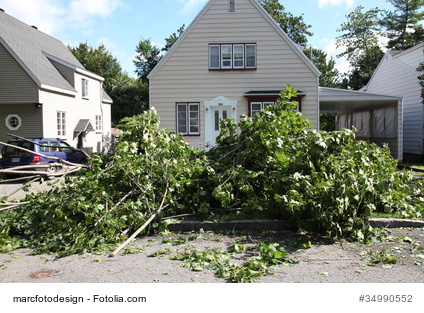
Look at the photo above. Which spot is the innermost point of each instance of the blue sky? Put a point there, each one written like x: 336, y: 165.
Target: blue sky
x: 121, y: 24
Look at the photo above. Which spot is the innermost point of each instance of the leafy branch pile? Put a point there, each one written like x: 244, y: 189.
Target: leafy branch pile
x: 269, y: 166
x: 151, y: 171
x: 324, y: 182
x: 248, y: 271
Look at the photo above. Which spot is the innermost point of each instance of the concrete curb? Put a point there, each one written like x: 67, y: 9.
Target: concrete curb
x: 395, y: 223
x: 277, y: 224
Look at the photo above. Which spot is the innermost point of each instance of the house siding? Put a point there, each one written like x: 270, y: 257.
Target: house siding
x: 186, y: 77
x: 397, y: 75
x: 32, y: 126
x: 76, y: 108
x: 16, y: 86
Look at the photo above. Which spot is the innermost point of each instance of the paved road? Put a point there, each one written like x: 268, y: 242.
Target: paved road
x: 323, y: 262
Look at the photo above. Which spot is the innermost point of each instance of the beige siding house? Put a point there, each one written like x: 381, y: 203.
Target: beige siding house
x: 233, y: 59
x: 397, y: 74
x: 46, y: 93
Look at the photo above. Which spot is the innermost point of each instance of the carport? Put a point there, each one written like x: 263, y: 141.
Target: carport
x: 377, y: 117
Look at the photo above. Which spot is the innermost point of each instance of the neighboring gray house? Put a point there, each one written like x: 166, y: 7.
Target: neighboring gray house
x: 46, y: 93
x: 397, y: 74
x: 233, y: 59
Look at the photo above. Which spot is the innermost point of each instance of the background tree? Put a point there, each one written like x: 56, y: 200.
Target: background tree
x: 363, y: 69
x: 294, y: 26
x: 420, y: 70
x: 402, y: 25
x: 148, y: 55
x: 360, y: 39
x: 173, y: 38
x: 130, y: 96
x: 329, y: 74
x: 99, y: 61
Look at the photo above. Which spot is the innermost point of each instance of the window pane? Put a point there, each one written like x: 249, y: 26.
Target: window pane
x: 226, y: 55
x: 216, y: 120
x: 194, y: 118
x: 44, y: 149
x: 251, y: 56
x: 266, y: 104
x: 239, y: 56
x: 182, y: 118
x: 256, y: 107
x: 214, y: 56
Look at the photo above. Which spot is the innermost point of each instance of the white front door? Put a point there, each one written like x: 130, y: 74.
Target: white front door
x: 218, y: 113
x: 216, y: 110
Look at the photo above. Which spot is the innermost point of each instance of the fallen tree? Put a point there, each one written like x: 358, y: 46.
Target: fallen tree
x: 266, y: 166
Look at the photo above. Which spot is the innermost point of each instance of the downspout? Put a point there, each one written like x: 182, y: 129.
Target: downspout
x: 400, y: 129
x: 101, y: 110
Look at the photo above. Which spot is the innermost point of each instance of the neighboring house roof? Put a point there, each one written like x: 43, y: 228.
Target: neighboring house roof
x: 340, y: 100
x: 266, y: 16
x: 397, y: 56
x: 37, y: 53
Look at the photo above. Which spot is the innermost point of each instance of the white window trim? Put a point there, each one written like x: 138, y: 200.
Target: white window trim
x: 218, y: 47
x: 188, y: 119
x: 245, y: 56
x: 264, y: 104
x: 99, y: 123
x: 243, y: 59
x: 61, y: 123
x: 227, y: 60
x: 84, y: 91
x: 9, y: 124
x: 232, y: 62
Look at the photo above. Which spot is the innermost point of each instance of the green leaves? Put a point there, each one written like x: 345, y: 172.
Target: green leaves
x: 150, y: 169
x: 323, y: 182
x: 270, y: 166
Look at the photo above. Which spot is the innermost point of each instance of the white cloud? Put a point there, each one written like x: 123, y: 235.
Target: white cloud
x: 323, y: 3
x: 191, y: 6
x: 52, y: 16
x: 82, y: 10
x: 331, y: 49
x: 46, y: 15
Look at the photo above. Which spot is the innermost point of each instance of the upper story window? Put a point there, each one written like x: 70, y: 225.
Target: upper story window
x: 232, y: 56
x: 84, y: 88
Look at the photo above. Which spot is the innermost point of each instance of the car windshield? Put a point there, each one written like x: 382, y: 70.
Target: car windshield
x: 13, y: 150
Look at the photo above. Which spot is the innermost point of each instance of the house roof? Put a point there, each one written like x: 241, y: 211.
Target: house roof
x: 267, y: 17
x: 343, y: 100
x: 396, y: 54
x: 36, y: 52
x: 84, y: 125
x: 268, y: 93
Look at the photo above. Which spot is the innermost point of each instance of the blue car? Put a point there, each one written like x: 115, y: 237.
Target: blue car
x: 12, y: 156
